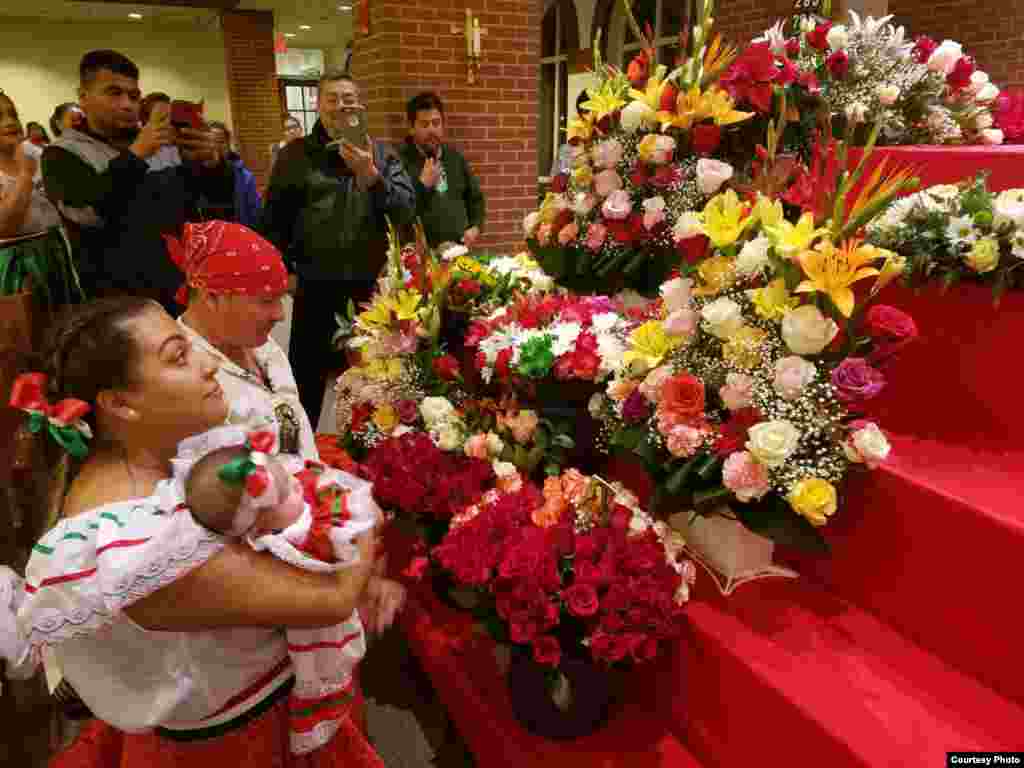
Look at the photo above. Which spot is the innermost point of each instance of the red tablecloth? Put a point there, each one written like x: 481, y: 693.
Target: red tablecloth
x: 947, y: 165
x: 461, y: 664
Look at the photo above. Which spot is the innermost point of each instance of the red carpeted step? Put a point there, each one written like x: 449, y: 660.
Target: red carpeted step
x: 932, y: 543
x: 959, y: 381
x: 781, y: 673
x: 462, y: 669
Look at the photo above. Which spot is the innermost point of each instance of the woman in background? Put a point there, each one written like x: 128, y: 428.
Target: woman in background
x: 24, y: 207
x: 66, y: 115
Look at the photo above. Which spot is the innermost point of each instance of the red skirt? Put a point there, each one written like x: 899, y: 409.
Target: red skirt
x: 262, y: 743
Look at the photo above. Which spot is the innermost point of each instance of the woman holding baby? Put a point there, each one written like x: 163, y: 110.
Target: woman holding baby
x: 174, y: 634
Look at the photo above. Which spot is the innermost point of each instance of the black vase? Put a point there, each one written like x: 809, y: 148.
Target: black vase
x: 591, y: 696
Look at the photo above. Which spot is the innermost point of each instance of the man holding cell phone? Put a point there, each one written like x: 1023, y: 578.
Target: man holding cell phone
x: 326, y: 208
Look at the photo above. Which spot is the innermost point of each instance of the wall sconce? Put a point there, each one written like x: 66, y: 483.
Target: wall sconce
x: 472, y: 34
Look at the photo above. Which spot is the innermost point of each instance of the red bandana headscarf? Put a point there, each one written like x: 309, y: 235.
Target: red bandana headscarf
x: 223, y: 257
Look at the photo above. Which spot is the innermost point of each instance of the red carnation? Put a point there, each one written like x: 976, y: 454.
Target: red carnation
x: 924, y: 47
x: 705, y: 138
x: 960, y: 77
x: 446, y: 367
x: 838, y: 64
x: 818, y: 37
x: 501, y: 364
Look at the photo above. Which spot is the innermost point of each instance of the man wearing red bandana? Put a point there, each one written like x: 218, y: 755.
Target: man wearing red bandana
x: 327, y: 207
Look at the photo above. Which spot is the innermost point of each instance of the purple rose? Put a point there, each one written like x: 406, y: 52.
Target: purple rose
x: 855, y: 380
x: 635, y: 408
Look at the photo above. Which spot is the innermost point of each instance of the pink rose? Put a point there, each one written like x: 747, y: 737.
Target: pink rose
x: 792, y: 374
x: 607, y: 182
x: 617, y: 206
x: 596, y: 233
x: 544, y: 234
x: 476, y: 447
x: 745, y: 476
x: 608, y: 154
x: 682, y: 322
x: 684, y: 440
x: 651, y: 386
x: 568, y: 233
x: 738, y: 392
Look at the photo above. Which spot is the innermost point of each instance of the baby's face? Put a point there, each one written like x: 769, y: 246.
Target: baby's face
x: 285, y: 512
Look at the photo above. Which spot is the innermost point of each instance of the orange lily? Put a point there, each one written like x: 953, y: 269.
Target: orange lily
x: 832, y: 271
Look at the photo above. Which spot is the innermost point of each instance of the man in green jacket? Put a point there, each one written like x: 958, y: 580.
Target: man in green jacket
x: 326, y: 209
x: 449, y: 201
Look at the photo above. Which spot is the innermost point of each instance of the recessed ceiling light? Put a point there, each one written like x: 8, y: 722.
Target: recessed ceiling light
x: 289, y: 34
x: 304, y: 26
x: 344, y: 7
x: 134, y: 15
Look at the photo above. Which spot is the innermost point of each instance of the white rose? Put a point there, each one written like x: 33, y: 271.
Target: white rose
x: 806, y: 331
x: 447, y: 437
x: 436, y: 410
x: 722, y: 318
x: 634, y: 115
x: 504, y: 468
x: 676, y: 293
x: 837, y: 37
x: 530, y: 222
x: 1006, y: 211
x: 712, y: 174
x: 753, y: 257
x: 988, y: 92
x: 868, y: 445
x: 945, y: 57
x: 687, y: 225
x: 992, y: 136
x: 888, y: 94
x: 772, y: 442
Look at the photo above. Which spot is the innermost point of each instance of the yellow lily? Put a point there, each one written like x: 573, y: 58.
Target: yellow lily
x: 894, y: 266
x: 725, y: 219
x: 721, y: 107
x: 768, y: 212
x: 773, y: 301
x: 690, y: 108
x: 406, y: 304
x: 651, y: 95
x: 650, y: 344
x: 790, y: 239
x: 832, y: 271
x: 603, y: 101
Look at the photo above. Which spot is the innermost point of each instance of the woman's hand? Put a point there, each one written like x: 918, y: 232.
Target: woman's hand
x: 382, y: 601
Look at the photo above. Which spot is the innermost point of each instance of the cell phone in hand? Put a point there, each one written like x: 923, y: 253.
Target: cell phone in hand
x: 353, y: 128
x: 187, y: 114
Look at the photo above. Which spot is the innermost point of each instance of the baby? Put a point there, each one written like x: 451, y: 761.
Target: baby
x: 233, y: 484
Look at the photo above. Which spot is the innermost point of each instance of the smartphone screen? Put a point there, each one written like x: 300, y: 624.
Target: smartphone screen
x: 186, y: 114
x: 353, y: 129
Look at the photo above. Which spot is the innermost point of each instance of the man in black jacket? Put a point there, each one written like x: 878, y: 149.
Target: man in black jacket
x: 122, y: 188
x: 326, y: 209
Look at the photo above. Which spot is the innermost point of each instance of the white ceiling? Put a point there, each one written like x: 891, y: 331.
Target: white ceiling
x: 329, y: 27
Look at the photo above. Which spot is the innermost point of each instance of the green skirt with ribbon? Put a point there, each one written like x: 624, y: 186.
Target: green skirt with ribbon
x: 44, y: 262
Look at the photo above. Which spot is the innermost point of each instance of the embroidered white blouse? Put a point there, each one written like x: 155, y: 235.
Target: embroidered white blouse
x: 252, y: 402
x: 83, y: 574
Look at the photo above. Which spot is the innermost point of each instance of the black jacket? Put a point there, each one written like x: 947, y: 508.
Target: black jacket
x: 446, y: 215
x: 328, y: 228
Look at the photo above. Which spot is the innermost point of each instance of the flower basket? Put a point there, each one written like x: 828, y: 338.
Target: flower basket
x: 562, y: 703
x: 731, y: 553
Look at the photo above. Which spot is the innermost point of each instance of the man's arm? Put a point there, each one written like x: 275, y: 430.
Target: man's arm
x: 84, y: 195
x: 476, y: 207
x: 393, y: 194
x: 284, y: 199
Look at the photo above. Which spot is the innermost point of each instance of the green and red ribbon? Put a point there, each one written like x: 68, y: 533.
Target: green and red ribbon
x: 251, y: 469
x: 63, y: 420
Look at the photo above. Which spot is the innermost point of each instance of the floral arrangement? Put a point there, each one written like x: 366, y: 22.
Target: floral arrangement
x: 747, y: 385
x: 646, y: 150
x: 951, y: 232
x: 480, y: 283
x: 576, y: 567
x: 565, y: 336
x: 921, y: 91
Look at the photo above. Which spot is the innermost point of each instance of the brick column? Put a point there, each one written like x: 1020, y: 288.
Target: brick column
x: 493, y: 122
x: 252, y: 86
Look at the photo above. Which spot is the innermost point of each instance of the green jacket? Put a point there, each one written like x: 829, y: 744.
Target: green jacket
x: 446, y: 215
x: 326, y: 227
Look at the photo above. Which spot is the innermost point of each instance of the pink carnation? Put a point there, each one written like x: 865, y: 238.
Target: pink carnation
x: 745, y: 476
x: 684, y: 440
x: 568, y: 233
x: 738, y: 391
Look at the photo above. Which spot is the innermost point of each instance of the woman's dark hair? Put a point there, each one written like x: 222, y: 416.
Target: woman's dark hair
x: 89, y: 349
x: 34, y: 124
x: 423, y: 102
x: 58, y: 116
x: 147, y: 104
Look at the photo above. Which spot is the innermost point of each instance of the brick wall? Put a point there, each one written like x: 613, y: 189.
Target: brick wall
x: 990, y: 30
x: 493, y: 122
x: 252, y: 86
x: 739, y: 21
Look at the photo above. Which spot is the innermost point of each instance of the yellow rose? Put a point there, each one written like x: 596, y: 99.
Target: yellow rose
x: 743, y: 348
x: 716, y: 274
x: 773, y: 301
x: 983, y: 256
x: 385, y: 417
x: 813, y: 498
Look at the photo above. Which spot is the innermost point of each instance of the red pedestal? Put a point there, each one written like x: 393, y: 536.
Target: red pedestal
x: 948, y: 165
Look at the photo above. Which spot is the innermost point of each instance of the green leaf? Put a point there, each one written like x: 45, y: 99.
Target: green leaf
x: 773, y: 518
x: 711, y: 494
x: 707, y: 466
x: 564, y: 441
x: 647, y: 451
x: 628, y: 438
x: 677, y: 478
